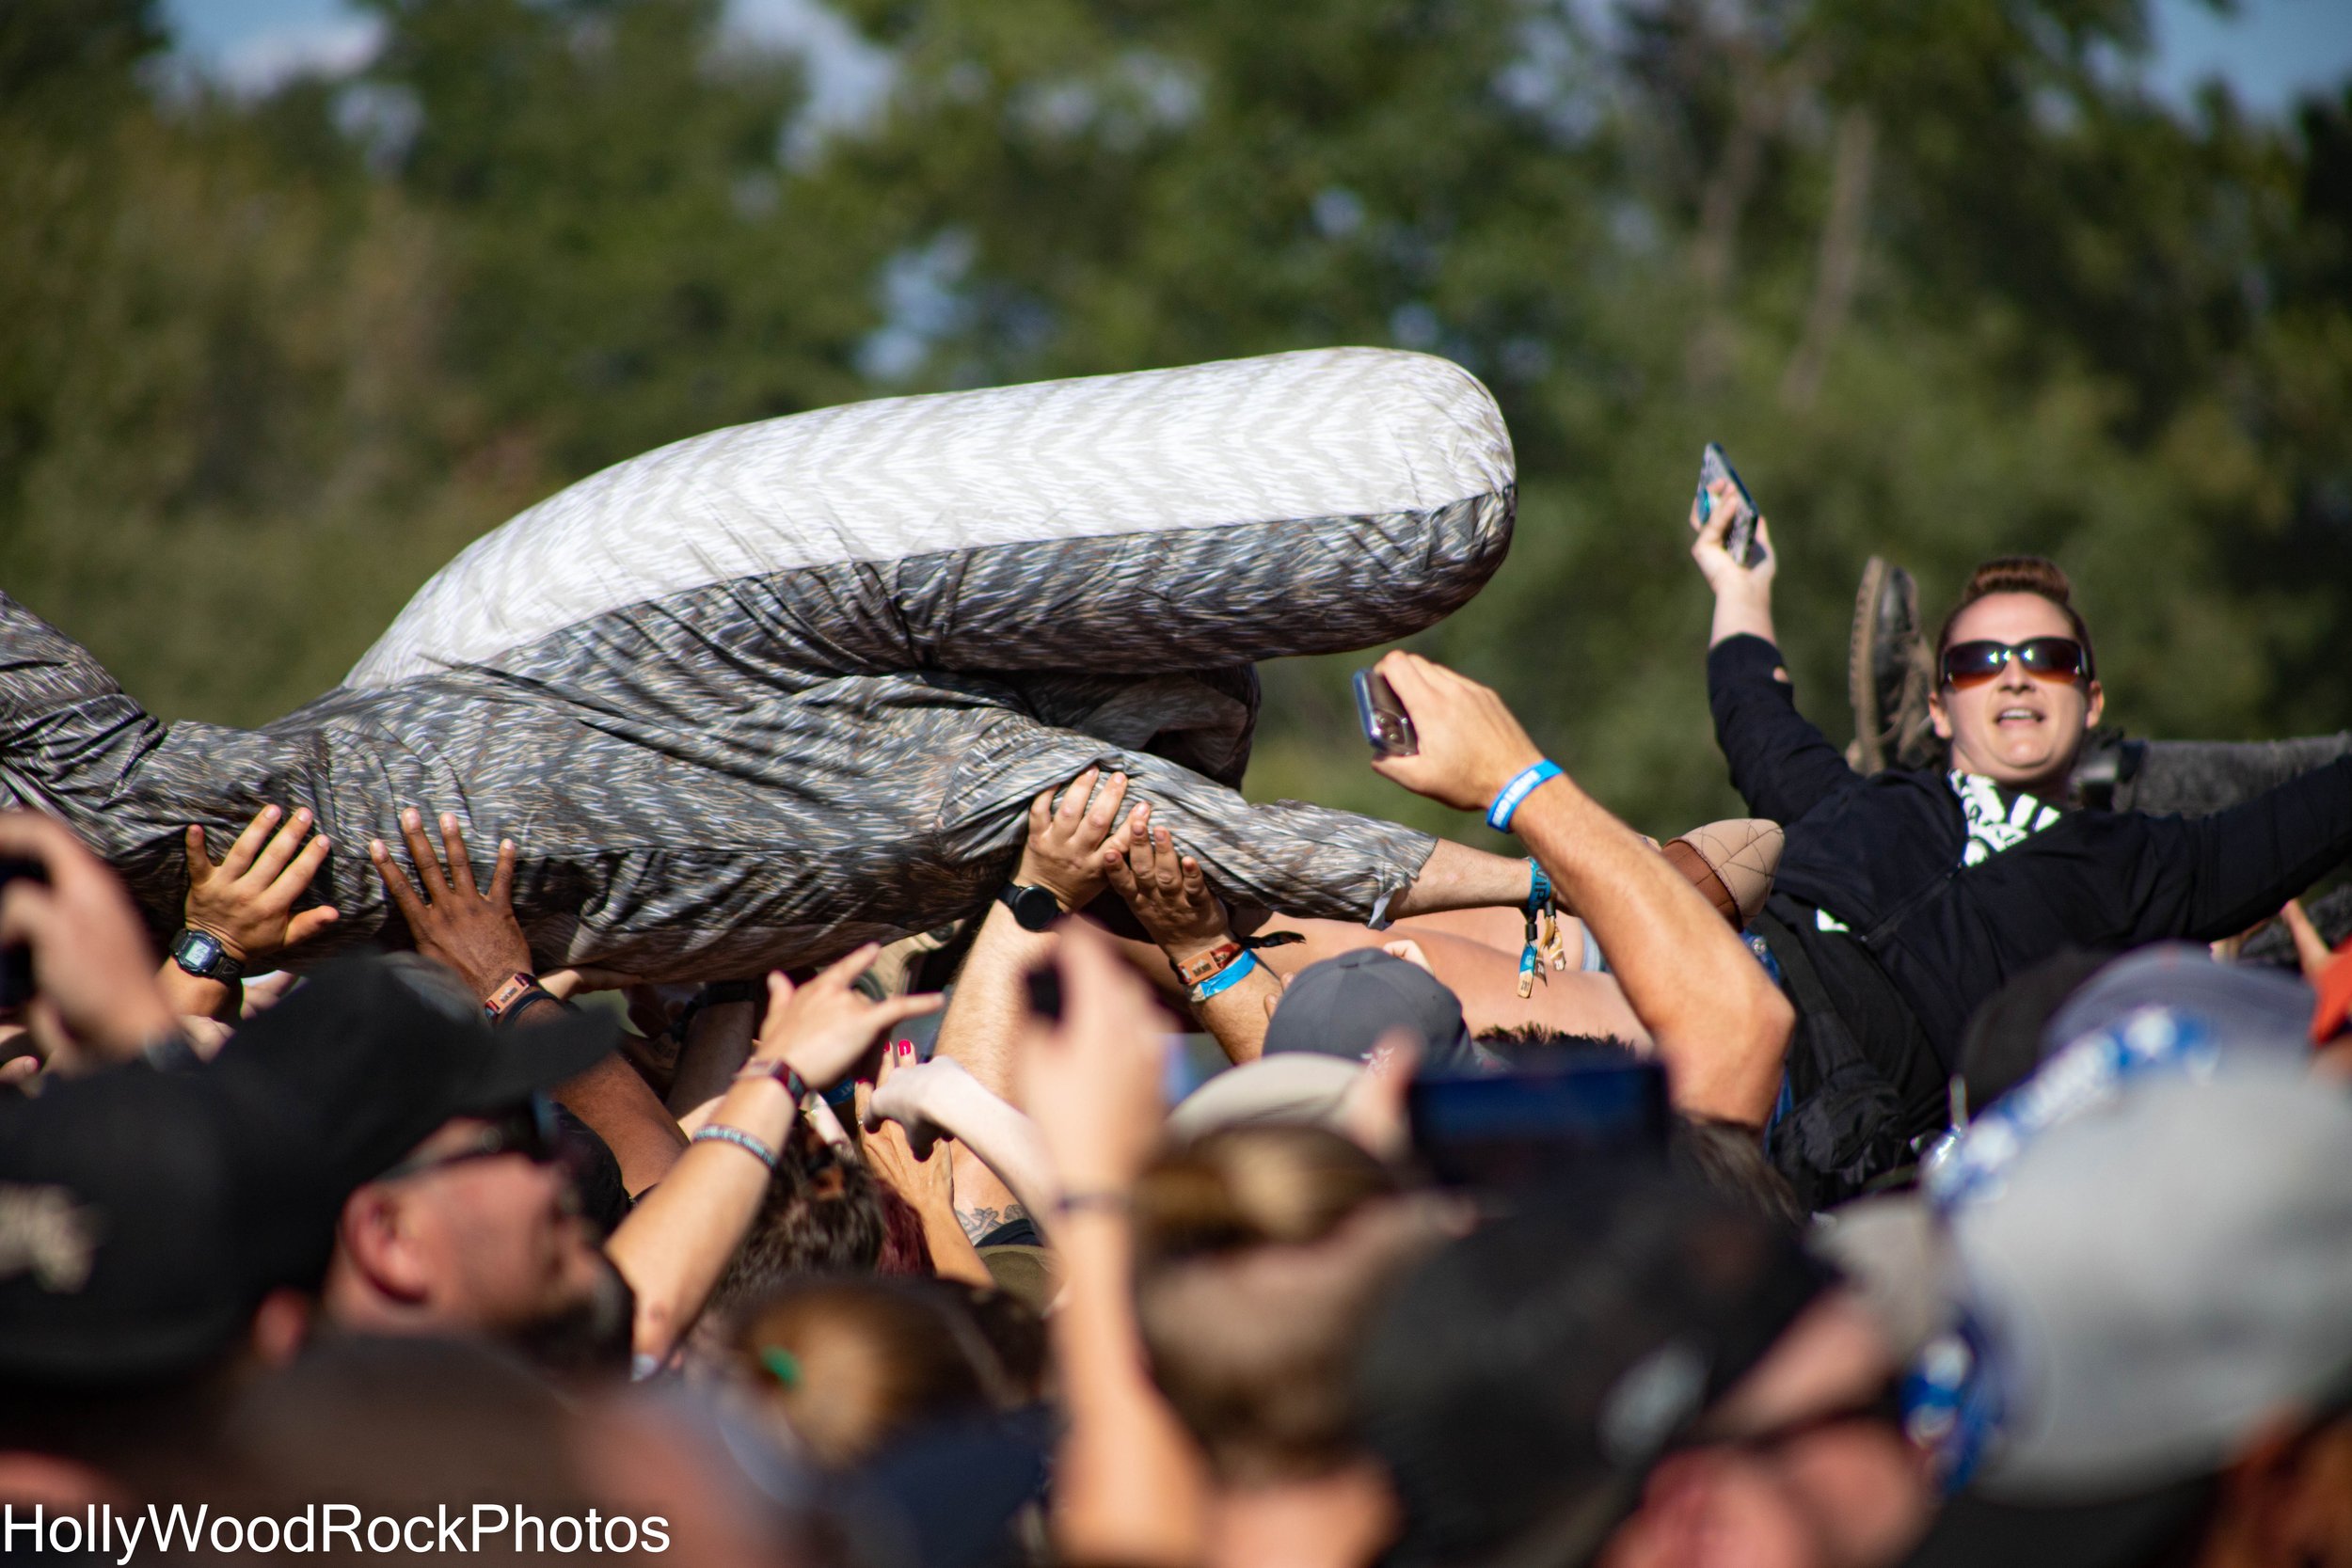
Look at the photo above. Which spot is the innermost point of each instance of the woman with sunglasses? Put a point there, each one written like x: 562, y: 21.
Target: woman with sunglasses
x: 1906, y: 898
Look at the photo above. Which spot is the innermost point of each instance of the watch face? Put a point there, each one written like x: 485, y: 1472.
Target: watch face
x: 1035, y: 909
x: 198, y: 951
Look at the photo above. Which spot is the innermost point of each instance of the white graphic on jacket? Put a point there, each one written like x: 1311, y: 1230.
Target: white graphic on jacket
x: 1995, y: 822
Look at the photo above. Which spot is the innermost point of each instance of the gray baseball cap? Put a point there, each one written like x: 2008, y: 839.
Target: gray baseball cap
x: 1342, y: 1007
x: 2158, y: 1274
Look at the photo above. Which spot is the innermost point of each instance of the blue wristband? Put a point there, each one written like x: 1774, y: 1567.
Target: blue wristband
x: 1224, y: 979
x: 744, y: 1141
x: 1507, y: 803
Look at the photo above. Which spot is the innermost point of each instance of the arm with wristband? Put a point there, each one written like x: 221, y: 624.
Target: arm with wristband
x: 1717, y: 1020
x: 472, y: 930
x: 1060, y: 867
x: 1231, y: 992
x: 674, y: 1247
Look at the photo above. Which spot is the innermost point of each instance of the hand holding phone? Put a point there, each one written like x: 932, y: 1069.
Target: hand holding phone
x: 1387, y: 728
x: 1740, y: 538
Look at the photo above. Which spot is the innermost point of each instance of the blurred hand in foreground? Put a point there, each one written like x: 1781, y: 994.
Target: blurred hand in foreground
x: 1091, y: 1082
x: 96, y: 998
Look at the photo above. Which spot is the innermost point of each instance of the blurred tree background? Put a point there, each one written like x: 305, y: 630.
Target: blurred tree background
x: 1945, y: 281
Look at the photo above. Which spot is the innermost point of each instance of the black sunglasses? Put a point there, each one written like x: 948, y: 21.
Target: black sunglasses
x: 1967, y: 664
x: 528, y: 1130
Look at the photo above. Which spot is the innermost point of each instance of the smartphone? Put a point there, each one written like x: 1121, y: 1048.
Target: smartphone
x: 1044, y: 985
x: 1738, y: 539
x: 1387, y: 725
x: 1525, y: 1128
x: 16, y: 963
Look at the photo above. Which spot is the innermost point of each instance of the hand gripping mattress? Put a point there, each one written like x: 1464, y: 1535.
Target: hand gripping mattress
x: 764, y: 693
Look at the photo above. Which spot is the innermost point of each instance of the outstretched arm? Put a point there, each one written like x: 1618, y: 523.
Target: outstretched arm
x: 674, y: 1247
x: 246, y: 904
x: 2208, y: 877
x: 1172, y: 901
x: 1719, y: 1023
x: 988, y: 1010
x: 1781, y: 765
x: 472, y: 930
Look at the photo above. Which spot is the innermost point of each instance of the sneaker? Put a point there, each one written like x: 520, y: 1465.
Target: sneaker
x: 1889, y: 673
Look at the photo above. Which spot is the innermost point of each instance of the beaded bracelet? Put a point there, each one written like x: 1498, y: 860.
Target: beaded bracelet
x: 1507, y: 803
x: 744, y: 1141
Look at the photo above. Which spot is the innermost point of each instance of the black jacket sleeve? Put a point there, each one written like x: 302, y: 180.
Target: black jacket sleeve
x: 1780, y: 764
x: 2212, y: 877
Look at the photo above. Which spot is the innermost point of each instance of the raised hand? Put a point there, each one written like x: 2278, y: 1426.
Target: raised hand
x: 248, y: 901
x: 1723, y: 574
x: 910, y: 1161
x: 455, y: 922
x: 1166, y: 889
x: 1470, y: 744
x: 909, y: 1093
x: 1065, y: 852
x: 823, y: 1028
x: 93, y: 974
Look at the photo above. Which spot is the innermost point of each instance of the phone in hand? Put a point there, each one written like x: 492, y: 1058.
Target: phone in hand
x: 1740, y: 538
x: 1387, y: 727
x: 1506, y: 1131
x: 16, y: 962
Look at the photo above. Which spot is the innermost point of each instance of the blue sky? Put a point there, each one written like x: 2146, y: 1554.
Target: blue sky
x: 2269, y: 51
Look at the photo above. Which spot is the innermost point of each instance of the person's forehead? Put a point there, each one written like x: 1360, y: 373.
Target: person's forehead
x: 2012, y: 618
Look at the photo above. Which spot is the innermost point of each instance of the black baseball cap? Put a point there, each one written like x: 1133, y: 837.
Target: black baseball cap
x: 145, y: 1213
x: 1520, y: 1382
x: 1342, y: 1007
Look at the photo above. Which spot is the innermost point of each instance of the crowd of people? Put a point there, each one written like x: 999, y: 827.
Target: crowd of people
x: 1916, y: 1172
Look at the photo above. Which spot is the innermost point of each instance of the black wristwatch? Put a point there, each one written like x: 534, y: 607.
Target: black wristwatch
x: 1035, y: 907
x: 204, y: 955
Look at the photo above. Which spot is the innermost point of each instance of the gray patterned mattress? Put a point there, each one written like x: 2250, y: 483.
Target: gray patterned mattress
x: 762, y: 694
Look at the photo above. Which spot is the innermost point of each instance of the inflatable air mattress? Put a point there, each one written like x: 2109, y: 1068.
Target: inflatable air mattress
x: 762, y: 694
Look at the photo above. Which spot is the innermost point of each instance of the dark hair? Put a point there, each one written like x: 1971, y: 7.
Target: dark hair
x: 822, y: 1213
x: 1728, y: 1159
x: 2018, y: 573
x: 1527, y: 1041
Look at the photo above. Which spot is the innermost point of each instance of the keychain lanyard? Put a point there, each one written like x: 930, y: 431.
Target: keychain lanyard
x: 1544, y: 940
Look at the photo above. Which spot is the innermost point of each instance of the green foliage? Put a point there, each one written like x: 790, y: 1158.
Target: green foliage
x: 1944, y: 283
